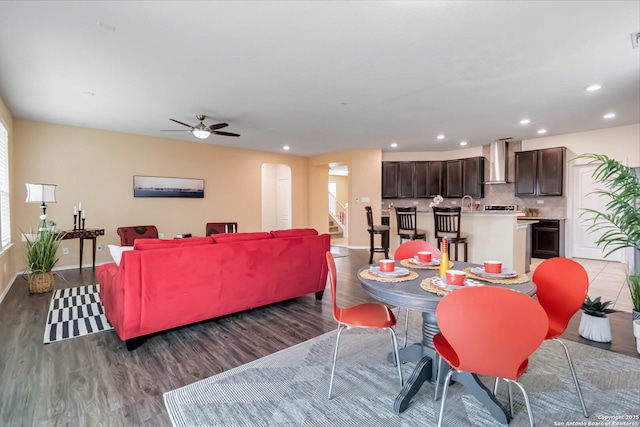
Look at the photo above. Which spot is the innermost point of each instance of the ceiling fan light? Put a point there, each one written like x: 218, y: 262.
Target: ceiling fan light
x: 201, y: 134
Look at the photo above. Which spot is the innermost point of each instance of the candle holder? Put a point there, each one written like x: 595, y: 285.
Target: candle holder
x: 82, y: 224
x: 75, y: 219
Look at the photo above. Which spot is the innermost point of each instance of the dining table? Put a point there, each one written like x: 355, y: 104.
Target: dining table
x: 409, y: 292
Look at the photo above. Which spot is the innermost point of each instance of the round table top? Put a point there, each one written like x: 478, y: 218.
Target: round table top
x: 409, y: 294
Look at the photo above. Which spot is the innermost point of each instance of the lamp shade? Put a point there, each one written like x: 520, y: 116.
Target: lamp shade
x: 41, y: 193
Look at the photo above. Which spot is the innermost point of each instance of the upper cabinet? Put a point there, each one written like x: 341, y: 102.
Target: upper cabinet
x: 429, y: 179
x: 465, y: 177
x: 398, y: 180
x: 540, y: 172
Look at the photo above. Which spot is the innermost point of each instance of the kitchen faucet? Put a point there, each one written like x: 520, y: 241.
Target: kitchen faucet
x: 470, y: 203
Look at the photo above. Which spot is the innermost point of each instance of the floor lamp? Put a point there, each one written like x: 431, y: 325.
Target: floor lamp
x: 43, y: 194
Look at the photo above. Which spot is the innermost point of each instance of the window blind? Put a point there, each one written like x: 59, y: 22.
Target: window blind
x: 5, y: 210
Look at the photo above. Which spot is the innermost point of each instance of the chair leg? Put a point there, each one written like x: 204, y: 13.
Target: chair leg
x: 510, y: 399
x: 335, y: 358
x: 406, y: 328
x: 444, y: 396
x: 396, y: 355
x: 371, y: 248
x: 575, y: 377
x: 438, y: 375
x: 466, y: 251
x: 495, y: 387
x: 526, y: 400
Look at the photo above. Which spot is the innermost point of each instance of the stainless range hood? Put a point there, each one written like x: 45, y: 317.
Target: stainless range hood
x: 498, y: 162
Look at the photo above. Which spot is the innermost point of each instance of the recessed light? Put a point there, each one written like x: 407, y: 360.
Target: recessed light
x: 463, y: 143
x: 441, y: 136
x: 525, y: 121
x: 609, y: 116
x: 286, y: 147
x: 394, y: 145
x: 593, y: 87
x: 541, y: 131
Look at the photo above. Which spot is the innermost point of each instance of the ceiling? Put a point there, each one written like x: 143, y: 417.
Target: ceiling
x: 324, y: 76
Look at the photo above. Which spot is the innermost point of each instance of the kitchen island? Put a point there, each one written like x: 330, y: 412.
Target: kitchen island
x: 491, y: 236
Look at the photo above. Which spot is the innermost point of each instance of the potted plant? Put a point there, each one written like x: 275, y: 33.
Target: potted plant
x: 41, y: 258
x: 594, y: 324
x: 620, y: 224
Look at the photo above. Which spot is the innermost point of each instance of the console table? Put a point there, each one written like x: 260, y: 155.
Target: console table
x: 86, y: 234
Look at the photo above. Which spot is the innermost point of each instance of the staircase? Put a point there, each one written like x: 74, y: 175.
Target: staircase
x: 334, y: 229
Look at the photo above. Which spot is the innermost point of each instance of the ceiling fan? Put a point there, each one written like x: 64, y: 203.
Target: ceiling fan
x: 201, y: 131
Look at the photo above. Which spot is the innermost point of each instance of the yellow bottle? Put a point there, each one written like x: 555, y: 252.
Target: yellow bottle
x: 444, y: 259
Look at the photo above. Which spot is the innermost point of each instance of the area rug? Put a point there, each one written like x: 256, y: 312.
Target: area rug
x: 75, y: 312
x: 289, y: 388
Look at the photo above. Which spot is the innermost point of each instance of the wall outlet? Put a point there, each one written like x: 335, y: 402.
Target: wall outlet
x: 65, y: 251
x: 540, y: 202
x: 366, y: 199
x: 99, y: 248
x: 415, y: 203
x: 160, y: 235
x: 454, y: 202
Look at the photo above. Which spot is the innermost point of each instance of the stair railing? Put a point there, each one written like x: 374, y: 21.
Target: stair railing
x: 338, y: 211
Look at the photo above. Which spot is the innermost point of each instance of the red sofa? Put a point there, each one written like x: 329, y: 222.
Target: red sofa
x: 163, y: 284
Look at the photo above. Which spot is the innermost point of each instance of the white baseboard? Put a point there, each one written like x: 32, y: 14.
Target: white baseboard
x: 6, y: 291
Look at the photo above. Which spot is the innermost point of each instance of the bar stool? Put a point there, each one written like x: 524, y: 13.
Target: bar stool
x: 383, y: 230
x: 406, y: 218
x: 447, y: 224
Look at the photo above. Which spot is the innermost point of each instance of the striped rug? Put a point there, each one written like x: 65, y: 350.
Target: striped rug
x: 75, y: 312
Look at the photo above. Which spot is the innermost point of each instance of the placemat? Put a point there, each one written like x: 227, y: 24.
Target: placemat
x: 428, y: 286
x: 520, y: 278
x: 406, y: 263
x: 366, y: 274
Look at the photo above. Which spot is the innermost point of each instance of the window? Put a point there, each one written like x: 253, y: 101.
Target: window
x: 5, y: 210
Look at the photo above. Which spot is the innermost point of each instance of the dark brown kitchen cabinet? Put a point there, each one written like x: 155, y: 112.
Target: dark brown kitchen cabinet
x: 389, y: 180
x: 453, y: 179
x: 406, y: 180
x: 540, y: 172
x: 547, y: 239
x: 465, y: 177
x: 428, y: 179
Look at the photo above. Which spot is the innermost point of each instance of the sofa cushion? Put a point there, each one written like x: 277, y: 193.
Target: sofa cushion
x: 116, y: 252
x: 295, y: 232
x: 241, y: 237
x: 146, y: 244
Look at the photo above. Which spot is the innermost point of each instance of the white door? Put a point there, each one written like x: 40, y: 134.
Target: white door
x: 584, y: 241
x: 283, y: 204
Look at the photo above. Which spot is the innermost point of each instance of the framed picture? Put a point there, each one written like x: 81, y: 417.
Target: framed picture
x: 159, y: 186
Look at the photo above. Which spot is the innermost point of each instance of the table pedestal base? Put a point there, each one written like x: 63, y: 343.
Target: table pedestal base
x: 427, y: 370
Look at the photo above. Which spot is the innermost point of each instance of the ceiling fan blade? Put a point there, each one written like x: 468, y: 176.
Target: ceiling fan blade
x: 180, y: 123
x: 225, y: 133
x: 218, y: 126
x: 175, y: 130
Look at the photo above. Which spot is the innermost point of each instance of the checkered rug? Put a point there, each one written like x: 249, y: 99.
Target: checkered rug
x: 75, y: 312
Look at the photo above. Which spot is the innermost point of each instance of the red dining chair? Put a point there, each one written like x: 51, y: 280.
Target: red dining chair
x: 562, y: 288
x: 367, y: 315
x: 507, y: 327
x: 409, y: 250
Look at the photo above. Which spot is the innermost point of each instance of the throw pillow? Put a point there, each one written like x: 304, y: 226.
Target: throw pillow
x: 116, y: 252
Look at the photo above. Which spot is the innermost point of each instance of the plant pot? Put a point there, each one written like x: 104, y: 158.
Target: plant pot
x: 636, y: 333
x: 595, y: 328
x: 40, y: 282
x: 635, y: 315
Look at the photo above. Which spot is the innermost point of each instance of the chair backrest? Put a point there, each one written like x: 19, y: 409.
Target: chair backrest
x: 492, y: 330
x: 406, y: 219
x: 562, y: 288
x: 411, y: 248
x: 447, y: 220
x: 221, y: 227
x: 333, y: 279
x: 131, y: 233
x: 369, y: 217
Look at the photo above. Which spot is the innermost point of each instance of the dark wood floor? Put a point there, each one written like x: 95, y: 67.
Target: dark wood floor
x: 95, y: 381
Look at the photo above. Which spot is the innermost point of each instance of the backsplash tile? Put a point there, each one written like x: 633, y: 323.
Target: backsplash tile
x: 498, y: 194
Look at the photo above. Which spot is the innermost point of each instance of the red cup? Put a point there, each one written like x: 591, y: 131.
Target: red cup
x: 387, y: 265
x: 455, y: 277
x: 494, y: 267
x: 424, y: 256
